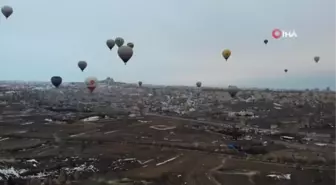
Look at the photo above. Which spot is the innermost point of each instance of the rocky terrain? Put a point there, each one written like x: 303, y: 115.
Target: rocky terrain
x: 124, y: 134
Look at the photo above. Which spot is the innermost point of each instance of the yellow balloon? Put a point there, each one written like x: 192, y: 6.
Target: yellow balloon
x: 226, y: 53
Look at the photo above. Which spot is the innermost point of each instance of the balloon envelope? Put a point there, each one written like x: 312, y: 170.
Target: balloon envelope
x: 130, y: 44
x: 119, y: 41
x: 56, y: 81
x: 198, y: 84
x: 91, y: 83
x: 286, y: 70
x: 125, y: 53
x: 110, y: 43
x: 7, y: 11
x: 233, y: 90
x: 82, y: 65
x: 317, y: 58
x: 265, y: 41
x: 140, y: 83
x: 226, y: 54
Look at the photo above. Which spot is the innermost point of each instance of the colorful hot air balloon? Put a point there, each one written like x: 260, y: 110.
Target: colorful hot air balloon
x: 265, y: 41
x: 140, y: 83
x: 7, y: 11
x: 119, y: 41
x: 110, y: 43
x: 56, y: 81
x: 317, y: 59
x: 226, y: 54
x: 82, y: 65
x: 130, y: 44
x: 91, y: 83
x: 125, y: 53
x: 198, y: 84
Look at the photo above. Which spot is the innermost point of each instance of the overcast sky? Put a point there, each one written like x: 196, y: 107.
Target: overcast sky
x: 176, y: 41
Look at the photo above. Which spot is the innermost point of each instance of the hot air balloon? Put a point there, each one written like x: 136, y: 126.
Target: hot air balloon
x: 286, y: 70
x: 140, y: 83
x: 91, y: 83
x: 130, y: 44
x: 226, y: 54
x: 82, y: 65
x: 7, y: 11
x: 317, y: 59
x: 56, y: 81
x: 198, y: 84
x: 265, y: 41
x: 119, y: 41
x: 110, y: 43
x: 233, y: 90
x: 125, y: 53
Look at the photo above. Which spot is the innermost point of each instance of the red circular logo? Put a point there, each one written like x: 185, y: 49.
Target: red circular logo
x: 276, y: 33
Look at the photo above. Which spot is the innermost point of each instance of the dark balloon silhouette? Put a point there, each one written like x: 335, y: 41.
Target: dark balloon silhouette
x: 317, y: 59
x: 265, y: 41
x: 130, y: 44
x: 233, y: 90
x: 140, y: 83
x: 286, y: 70
x: 198, y: 84
x: 82, y: 65
x: 125, y: 53
x: 56, y: 81
x: 110, y: 43
x: 7, y: 11
x: 119, y: 41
